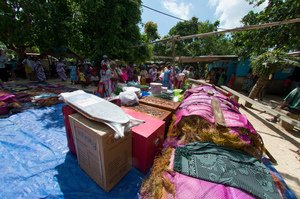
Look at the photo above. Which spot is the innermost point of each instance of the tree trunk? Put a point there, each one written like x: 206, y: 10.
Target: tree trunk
x: 259, y: 84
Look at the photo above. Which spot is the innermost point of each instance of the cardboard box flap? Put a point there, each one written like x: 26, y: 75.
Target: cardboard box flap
x: 99, y: 128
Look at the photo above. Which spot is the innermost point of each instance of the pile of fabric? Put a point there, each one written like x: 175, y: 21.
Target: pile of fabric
x: 16, y: 97
x: 204, y: 160
x: 7, y: 102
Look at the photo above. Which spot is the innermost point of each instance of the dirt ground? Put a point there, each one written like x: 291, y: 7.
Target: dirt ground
x: 280, y: 143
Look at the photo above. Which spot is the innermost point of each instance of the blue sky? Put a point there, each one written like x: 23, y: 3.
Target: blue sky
x: 229, y: 12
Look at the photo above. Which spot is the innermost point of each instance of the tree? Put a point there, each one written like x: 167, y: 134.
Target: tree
x: 107, y: 27
x: 151, y: 31
x: 255, y: 42
x: 30, y: 23
x: 267, y: 64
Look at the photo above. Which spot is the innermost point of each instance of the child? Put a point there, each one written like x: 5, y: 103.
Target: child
x: 82, y: 78
x: 87, y: 72
x: 231, y: 80
x: 94, y: 76
x: 144, y: 75
x: 73, y: 73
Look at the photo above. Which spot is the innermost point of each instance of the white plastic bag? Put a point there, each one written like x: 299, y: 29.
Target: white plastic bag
x: 128, y: 98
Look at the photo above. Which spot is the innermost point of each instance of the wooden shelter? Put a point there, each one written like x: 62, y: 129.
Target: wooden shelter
x: 62, y: 52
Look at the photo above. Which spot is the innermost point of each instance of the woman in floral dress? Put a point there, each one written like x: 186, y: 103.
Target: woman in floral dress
x: 39, y: 70
x: 60, y: 69
x: 111, y: 80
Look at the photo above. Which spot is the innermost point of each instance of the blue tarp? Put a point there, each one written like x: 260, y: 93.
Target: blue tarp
x: 35, y: 161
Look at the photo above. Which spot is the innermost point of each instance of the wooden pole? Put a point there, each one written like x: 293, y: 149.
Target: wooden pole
x: 225, y: 31
x: 173, y: 55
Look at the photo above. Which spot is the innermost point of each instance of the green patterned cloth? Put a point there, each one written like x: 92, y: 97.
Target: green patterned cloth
x: 224, y: 165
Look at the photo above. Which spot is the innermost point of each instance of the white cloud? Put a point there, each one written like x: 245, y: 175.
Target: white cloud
x: 181, y: 10
x: 231, y: 12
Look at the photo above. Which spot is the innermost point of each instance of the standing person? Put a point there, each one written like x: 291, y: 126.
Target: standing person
x: 110, y: 85
x: 14, y: 66
x: 87, y: 72
x: 82, y: 78
x: 190, y: 73
x: 123, y: 77
x: 73, y: 73
x: 130, y: 73
x: 178, y: 78
x: 231, y: 80
x: 171, y: 77
x: 217, y: 76
x: 104, y: 64
x: 166, y: 77
x: 20, y: 71
x: 53, y: 68
x: 212, y: 75
x: 29, y: 68
x: 144, y: 75
x: 248, y: 83
x: 60, y: 69
x: 153, y: 73
x: 39, y: 70
x: 185, y: 70
x: 286, y: 85
x: 3, y: 70
x: 94, y: 76
x: 222, y: 77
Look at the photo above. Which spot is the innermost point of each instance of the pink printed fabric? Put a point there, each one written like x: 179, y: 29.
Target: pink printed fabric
x: 203, y: 91
x: 189, y: 187
x: 204, y: 99
x: 232, y: 119
x: 5, y: 96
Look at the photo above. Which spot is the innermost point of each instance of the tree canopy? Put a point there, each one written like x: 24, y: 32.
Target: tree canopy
x: 258, y: 41
x: 216, y: 44
x: 90, y: 28
x: 29, y: 23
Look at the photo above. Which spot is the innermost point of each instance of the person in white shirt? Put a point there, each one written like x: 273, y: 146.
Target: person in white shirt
x: 3, y: 69
x: 29, y: 68
x: 104, y: 64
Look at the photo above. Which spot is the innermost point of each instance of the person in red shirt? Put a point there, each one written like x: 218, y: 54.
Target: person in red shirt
x: 231, y: 80
x: 104, y: 64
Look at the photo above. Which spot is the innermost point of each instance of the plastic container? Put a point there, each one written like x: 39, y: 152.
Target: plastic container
x: 137, y: 91
x: 164, y: 89
x: 177, y: 91
x: 156, y: 88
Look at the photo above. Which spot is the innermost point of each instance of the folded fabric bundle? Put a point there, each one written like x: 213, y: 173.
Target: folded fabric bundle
x: 189, y: 187
x: 229, y: 167
x: 224, y: 165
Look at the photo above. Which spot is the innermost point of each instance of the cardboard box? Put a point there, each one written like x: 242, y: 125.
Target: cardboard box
x: 147, y: 140
x: 105, y: 159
